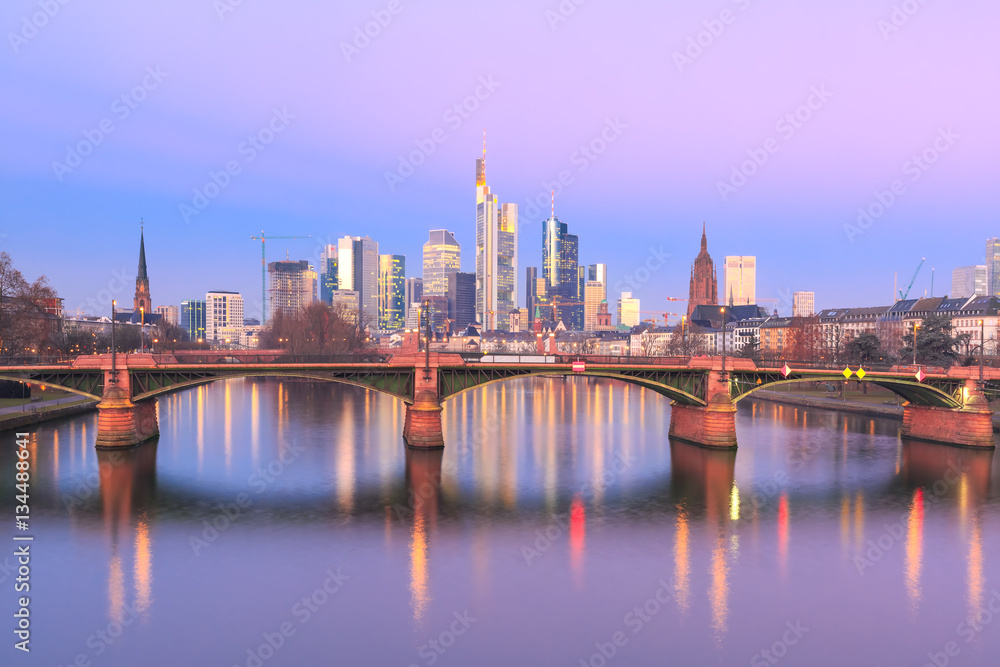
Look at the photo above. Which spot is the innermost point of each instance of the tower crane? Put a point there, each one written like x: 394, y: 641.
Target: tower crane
x: 903, y: 296
x: 263, y: 270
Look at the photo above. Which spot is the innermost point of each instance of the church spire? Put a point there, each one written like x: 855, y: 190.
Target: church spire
x: 704, y: 239
x: 142, y: 304
x: 141, y: 275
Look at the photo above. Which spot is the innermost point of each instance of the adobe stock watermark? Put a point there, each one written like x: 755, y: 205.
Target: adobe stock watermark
x: 454, y: 117
x: 714, y: 28
x: 914, y: 168
x: 247, y: 151
x: 364, y: 34
x: 637, y: 619
x: 967, y: 630
x: 582, y: 159
x: 655, y: 260
x: 48, y: 9
x: 100, y: 304
x: 229, y: 513
x: 773, y: 654
x: 121, y: 108
x: 302, y: 611
x: 435, y: 647
x: 223, y: 7
x: 562, y: 12
x: 899, y: 17
x: 786, y: 126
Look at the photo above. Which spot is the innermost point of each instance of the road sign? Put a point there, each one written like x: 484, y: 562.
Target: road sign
x: 579, y: 366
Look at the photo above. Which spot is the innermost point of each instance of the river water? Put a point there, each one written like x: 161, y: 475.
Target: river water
x: 284, y: 523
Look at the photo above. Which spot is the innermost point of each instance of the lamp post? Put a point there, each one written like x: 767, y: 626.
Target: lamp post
x: 142, y: 329
x: 684, y: 335
x: 982, y: 350
x: 114, y: 372
x: 427, y: 343
x: 723, y: 377
x: 916, y: 325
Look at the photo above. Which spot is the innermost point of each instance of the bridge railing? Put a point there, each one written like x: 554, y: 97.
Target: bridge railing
x: 570, y: 358
x: 272, y: 358
x: 36, y: 361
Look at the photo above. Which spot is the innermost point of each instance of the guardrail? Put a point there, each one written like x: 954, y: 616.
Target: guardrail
x: 37, y: 361
x: 272, y: 358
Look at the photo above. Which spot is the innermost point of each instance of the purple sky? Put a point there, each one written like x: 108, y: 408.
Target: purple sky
x: 556, y: 86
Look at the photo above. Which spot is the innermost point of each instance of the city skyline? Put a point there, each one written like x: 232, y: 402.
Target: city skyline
x: 323, y: 173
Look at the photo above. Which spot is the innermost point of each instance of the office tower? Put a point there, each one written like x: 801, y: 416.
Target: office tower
x: 365, y: 282
x: 442, y: 255
x: 142, y: 301
x: 968, y: 280
x: 461, y: 299
x: 530, y: 290
x: 740, y: 280
x: 803, y: 304
x: 993, y: 267
x: 168, y: 314
x: 413, y: 294
x: 704, y: 289
x: 345, y: 303
x: 628, y: 310
x: 594, y: 294
x: 328, y: 275
x: 224, y: 317
x: 496, y: 253
x: 345, y: 262
x: 193, y: 318
x: 561, y: 271
x: 391, y: 292
x: 292, y: 287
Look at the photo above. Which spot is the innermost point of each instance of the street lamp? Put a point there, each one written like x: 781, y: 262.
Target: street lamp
x: 142, y: 329
x: 982, y: 350
x: 723, y: 378
x: 916, y: 325
x: 114, y: 373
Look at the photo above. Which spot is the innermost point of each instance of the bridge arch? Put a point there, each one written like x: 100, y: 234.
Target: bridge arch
x: 917, y: 393
x: 452, y: 382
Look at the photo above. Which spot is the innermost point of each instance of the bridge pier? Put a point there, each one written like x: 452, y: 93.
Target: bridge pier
x: 712, y: 425
x: 422, y: 427
x: 968, y: 426
x: 122, y: 423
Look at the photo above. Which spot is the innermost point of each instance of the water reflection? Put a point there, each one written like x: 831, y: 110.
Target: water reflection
x: 423, y: 487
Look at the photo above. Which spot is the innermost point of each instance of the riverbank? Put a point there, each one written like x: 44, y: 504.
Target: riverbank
x: 888, y: 411
x: 14, y: 420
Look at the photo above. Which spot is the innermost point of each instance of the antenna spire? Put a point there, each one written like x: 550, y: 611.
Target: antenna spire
x: 553, y: 203
x: 484, y: 154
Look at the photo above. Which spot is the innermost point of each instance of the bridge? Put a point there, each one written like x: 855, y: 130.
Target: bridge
x: 940, y: 406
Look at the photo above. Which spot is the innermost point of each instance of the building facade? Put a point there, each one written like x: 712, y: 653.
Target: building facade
x: 168, y: 314
x: 993, y: 267
x: 413, y: 296
x: 391, y: 292
x: 461, y: 300
x: 442, y: 255
x: 292, y: 287
x: 968, y: 281
x: 224, y: 318
x: 193, y: 318
x: 328, y: 273
x: 803, y: 304
x: 628, y: 310
x: 496, y: 253
x: 740, y: 280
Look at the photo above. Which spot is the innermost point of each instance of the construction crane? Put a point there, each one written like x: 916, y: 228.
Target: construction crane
x: 263, y: 270
x: 902, y: 296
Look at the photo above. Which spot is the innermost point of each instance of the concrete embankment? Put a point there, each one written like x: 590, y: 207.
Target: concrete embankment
x: 18, y: 420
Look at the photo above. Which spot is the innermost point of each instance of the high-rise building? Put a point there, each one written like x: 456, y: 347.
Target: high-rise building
x: 366, y: 264
x: 223, y: 317
x: 292, y: 287
x: 143, y: 303
x: 391, y: 292
x: 562, y: 272
x: 993, y: 266
x: 345, y: 262
x: 530, y: 290
x: 328, y: 274
x: 442, y: 255
x: 740, y: 280
x: 496, y: 254
x: 193, y: 318
x: 413, y: 294
x: 803, y: 304
x: 168, y: 314
x: 461, y: 299
x: 594, y: 293
x: 628, y: 310
x: 704, y: 289
x: 968, y: 280
x: 346, y: 303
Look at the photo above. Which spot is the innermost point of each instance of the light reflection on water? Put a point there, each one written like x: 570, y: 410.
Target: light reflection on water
x: 556, y: 509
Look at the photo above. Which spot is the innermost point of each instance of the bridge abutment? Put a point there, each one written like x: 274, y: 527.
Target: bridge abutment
x: 122, y: 423
x: 968, y: 426
x: 712, y: 425
x: 422, y: 427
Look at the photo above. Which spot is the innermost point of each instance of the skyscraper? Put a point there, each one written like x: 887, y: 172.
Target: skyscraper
x: 345, y: 263
x: 993, y: 266
x: 391, y: 292
x: 328, y: 275
x: 357, y: 270
x: 413, y: 294
x: 461, y: 299
x: 193, y: 318
x: 442, y: 255
x: 530, y: 290
x: 561, y: 271
x: 803, y: 304
x: 740, y: 279
x: 496, y: 253
x: 594, y: 294
x: 968, y: 280
x: 292, y: 287
x: 224, y: 317
x: 704, y: 289
x: 628, y: 310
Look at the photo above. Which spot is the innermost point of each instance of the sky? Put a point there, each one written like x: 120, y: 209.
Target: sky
x: 776, y: 124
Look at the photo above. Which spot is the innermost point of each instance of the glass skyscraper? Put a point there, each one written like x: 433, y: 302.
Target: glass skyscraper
x: 442, y: 255
x: 496, y: 254
x: 391, y: 292
x: 993, y: 266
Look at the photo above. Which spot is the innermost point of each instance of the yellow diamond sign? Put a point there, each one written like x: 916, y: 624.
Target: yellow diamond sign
x: 848, y: 373
x: 861, y: 373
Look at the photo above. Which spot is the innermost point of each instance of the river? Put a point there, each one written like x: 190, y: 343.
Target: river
x: 284, y: 523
